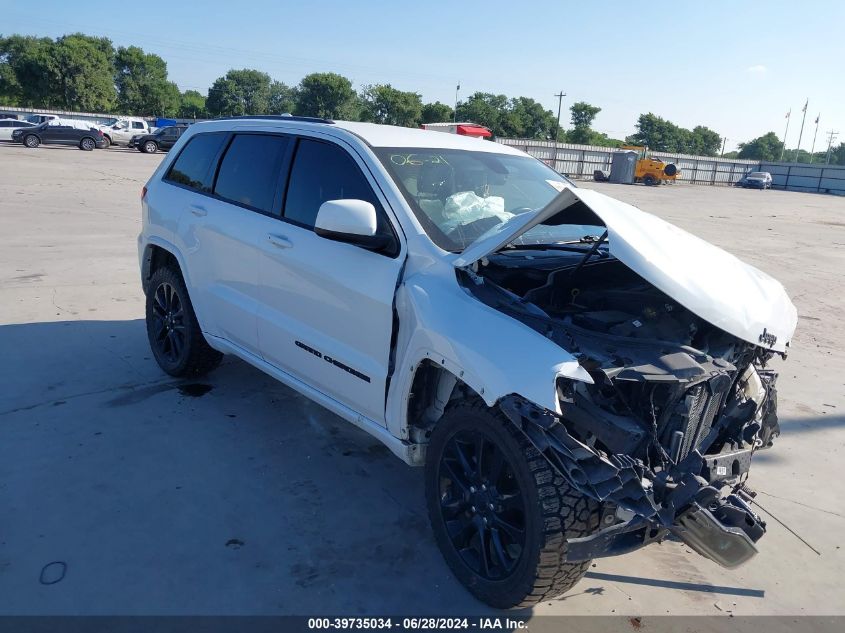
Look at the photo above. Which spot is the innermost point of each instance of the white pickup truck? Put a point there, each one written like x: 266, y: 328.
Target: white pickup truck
x: 124, y: 129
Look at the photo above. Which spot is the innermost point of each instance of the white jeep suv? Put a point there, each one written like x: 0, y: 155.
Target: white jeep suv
x: 578, y: 378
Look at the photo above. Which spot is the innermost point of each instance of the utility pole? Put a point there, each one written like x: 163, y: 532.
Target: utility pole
x: 560, y: 97
x: 455, y: 111
x: 785, y: 132
x: 724, y: 140
x: 831, y: 136
x: 801, y: 133
x: 815, y: 134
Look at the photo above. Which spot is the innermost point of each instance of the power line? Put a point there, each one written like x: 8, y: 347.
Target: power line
x: 560, y: 97
x: 831, y: 136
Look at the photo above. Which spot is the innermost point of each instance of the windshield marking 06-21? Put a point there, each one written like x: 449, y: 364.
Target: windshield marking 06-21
x: 459, y: 196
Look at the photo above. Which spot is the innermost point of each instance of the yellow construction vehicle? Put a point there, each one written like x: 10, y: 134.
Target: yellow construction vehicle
x: 650, y: 170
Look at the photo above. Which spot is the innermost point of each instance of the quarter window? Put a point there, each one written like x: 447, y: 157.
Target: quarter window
x: 321, y: 172
x: 193, y: 167
x: 249, y: 172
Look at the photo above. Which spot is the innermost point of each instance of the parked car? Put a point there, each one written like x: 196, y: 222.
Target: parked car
x: 756, y: 180
x: 7, y: 126
x: 61, y: 132
x: 121, y: 131
x: 575, y: 383
x: 41, y: 118
x: 163, y: 138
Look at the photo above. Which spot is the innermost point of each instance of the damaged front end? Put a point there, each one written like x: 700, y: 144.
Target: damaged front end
x: 663, y: 438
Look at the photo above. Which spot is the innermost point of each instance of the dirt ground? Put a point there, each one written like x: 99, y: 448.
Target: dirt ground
x: 155, y: 496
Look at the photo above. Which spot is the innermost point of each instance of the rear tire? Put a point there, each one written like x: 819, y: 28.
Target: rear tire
x: 31, y: 141
x: 649, y: 181
x: 527, y: 497
x: 175, y: 337
x: 87, y: 144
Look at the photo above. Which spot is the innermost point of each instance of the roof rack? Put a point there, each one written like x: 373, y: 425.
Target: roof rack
x: 278, y: 117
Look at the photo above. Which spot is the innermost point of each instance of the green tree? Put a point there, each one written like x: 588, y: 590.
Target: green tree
x: 240, y: 92
x: 766, y: 147
x: 436, y: 113
x: 382, y: 103
x: 282, y: 99
x: 486, y: 109
x: 837, y: 156
x: 28, y: 74
x: 664, y: 136
x: 142, y: 85
x: 583, y: 114
x: 704, y: 141
x: 84, y: 73
x: 530, y: 119
x: 192, y: 105
x: 326, y: 95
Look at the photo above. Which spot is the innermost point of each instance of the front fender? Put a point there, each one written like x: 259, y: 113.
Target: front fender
x: 492, y: 353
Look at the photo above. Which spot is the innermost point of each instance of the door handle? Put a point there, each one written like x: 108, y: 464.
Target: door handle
x: 198, y: 211
x: 280, y: 241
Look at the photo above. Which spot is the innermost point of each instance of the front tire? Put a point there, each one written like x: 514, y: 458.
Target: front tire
x: 175, y: 337
x: 500, y: 514
x: 31, y: 141
x: 649, y: 181
x: 150, y: 147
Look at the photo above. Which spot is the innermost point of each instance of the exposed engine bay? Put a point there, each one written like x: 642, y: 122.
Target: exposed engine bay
x: 676, y: 409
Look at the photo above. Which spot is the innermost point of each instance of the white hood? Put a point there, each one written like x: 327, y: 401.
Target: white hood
x: 706, y: 280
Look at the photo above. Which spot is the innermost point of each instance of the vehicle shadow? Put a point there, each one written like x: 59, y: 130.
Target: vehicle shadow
x: 224, y: 494
x: 674, y: 584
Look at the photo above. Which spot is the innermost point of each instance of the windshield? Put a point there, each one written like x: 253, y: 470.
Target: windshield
x: 758, y: 174
x: 460, y: 195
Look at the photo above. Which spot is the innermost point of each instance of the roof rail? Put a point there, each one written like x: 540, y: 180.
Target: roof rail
x: 277, y: 117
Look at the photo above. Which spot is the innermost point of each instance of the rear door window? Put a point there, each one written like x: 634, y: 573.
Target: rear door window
x: 250, y: 171
x: 194, y: 166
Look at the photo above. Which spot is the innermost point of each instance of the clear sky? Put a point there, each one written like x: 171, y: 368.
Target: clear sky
x: 736, y: 67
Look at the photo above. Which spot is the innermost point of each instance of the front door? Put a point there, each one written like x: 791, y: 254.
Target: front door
x: 327, y: 307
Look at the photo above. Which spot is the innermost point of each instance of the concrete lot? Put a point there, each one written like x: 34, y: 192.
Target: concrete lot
x: 250, y: 499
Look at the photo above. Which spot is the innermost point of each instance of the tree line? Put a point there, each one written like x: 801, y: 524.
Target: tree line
x: 79, y: 72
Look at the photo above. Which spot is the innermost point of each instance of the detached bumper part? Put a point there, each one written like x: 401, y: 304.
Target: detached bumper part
x: 677, y: 501
x: 703, y: 532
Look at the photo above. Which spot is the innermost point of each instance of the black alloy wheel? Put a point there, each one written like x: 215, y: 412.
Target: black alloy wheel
x: 168, y: 323
x: 482, y: 505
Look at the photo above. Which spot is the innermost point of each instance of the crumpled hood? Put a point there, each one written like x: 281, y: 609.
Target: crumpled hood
x: 705, y: 279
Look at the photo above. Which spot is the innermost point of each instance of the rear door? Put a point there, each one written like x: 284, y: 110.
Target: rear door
x: 221, y: 230
x: 327, y: 307
x: 55, y: 134
x: 169, y: 137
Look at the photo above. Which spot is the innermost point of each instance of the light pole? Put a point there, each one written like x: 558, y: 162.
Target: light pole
x: 801, y: 133
x: 455, y: 111
x: 785, y: 132
x: 724, y: 140
x: 560, y: 97
x: 815, y: 134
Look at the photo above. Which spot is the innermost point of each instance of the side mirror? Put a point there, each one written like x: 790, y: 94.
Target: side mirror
x: 350, y: 221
